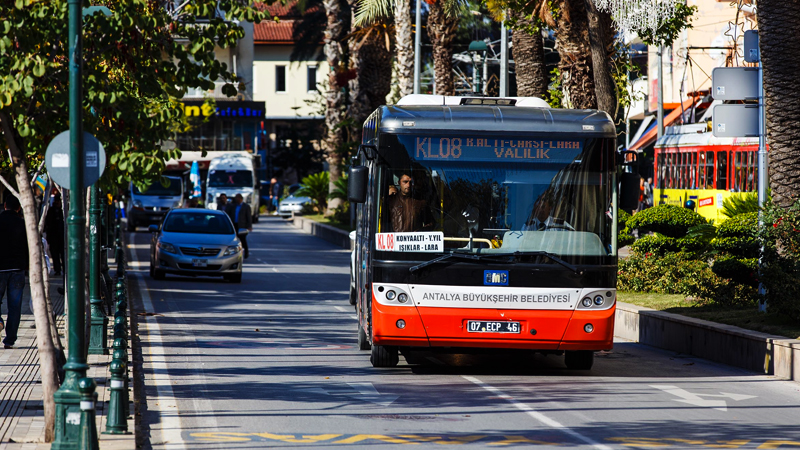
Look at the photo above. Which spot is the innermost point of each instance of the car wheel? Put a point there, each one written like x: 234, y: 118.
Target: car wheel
x: 235, y: 278
x: 131, y: 225
x: 363, y: 343
x: 152, y: 270
x: 158, y: 274
x: 353, y: 295
x: 579, y: 360
x: 384, y: 356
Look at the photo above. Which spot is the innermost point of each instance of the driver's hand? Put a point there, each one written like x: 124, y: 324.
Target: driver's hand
x: 392, y: 190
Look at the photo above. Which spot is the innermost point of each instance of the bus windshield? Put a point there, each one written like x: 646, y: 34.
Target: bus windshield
x: 508, y: 196
x: 230, y: 178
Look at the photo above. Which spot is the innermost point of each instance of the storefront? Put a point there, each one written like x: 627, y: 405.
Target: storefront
x: 229, y: 126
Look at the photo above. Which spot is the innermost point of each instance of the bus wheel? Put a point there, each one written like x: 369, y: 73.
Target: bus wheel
x: 579, y: 360
x: 352, y: 295
x: 363, y: 343
x: 384, y: 356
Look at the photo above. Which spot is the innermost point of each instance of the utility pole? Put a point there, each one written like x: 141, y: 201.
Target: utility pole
x: 503, y: 60
x: 418, y: 46
x: 68, y: 397
x: 660, y: 116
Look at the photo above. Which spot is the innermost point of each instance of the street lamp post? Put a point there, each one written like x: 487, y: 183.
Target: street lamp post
x: 68, y: 397
x: 98, y: 339
x: 478, y: 48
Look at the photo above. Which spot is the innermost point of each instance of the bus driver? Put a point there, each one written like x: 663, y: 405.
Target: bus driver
x: 546, y: 215
x: 407, y: 213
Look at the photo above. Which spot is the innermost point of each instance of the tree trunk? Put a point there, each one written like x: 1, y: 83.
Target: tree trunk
x: 781, y: 77
x: 48, y: 366
x: 442, y: 31
x: 601, y: 65
x: 529, y: 66
x: 404, y: 43
x: 572, y: 43
x: 46, y: 280
x: 338, y: 24
x: 372, y: 62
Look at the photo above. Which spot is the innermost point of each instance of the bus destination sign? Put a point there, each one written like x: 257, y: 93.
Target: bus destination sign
x: 490, y: 149
x: 422, y: 241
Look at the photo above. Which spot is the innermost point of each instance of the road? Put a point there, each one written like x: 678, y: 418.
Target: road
x: 272, y: 362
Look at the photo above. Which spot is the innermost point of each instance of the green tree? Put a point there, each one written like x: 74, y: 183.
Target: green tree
x: 137, y: 63
x: 316, y: 187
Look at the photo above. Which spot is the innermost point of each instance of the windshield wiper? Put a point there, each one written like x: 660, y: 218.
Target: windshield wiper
x: 458, y: 256
x: 551, y: 256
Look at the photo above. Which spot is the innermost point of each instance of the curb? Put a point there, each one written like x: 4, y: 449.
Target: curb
x: 328, y: 233
x: 726, y: 344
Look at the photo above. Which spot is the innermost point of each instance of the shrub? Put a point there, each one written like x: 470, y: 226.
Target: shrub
x: 780, y: 269
x: 315, y: 187
x: 660, y: 245
x: 624, y: 236
x: 741, y: 271
x: 669, y: 220
x: 738, y: 236
x: 740, y: 204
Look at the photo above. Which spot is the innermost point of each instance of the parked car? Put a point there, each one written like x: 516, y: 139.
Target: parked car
x: 292, y: 204
x: 196, y: 242
x: 150, y: 207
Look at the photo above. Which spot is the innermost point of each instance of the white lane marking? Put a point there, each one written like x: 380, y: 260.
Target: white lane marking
x: 275, y: 269
x: 366, y: 391
x: 345, y: 310
x: 165, y: 403
x: 698, y: 400
x: 536, y: 415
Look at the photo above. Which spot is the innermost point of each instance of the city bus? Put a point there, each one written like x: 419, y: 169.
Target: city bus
x: 486, y: 223
x: 692, y: 164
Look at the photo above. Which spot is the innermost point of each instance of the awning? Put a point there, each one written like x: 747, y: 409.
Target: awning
x: 650, y: 136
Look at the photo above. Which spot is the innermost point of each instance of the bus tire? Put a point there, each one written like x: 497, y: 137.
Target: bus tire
x: 363, y: 342
x: 384, y: 356
x: 579, y: 360
x: 352, y: 295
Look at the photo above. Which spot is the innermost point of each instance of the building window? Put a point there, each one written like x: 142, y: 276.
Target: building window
x: 280, y: 78
x: 311, y: 77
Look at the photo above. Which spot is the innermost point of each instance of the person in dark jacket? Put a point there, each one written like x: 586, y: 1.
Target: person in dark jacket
x: 54, y: 227
x: 13, y: 264
x: 242, y: 218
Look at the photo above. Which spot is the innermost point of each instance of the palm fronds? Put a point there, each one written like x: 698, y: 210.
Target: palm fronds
x: 370, y: 11
x: 740, y: 203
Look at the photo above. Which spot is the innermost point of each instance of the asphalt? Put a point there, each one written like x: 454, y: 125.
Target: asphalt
x: 273, y: 362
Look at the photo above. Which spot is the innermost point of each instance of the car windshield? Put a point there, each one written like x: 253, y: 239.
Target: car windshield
x: 171, y: 187
x: 507, y: 196
x: 198, y: 223
x: 230, y: 178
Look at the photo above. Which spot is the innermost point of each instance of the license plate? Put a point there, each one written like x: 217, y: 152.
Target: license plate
x: 485, y: 326
x: 199, y: 263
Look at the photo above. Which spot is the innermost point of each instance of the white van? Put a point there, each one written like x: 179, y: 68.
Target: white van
x: 150, y: 207
x: 230, y: 174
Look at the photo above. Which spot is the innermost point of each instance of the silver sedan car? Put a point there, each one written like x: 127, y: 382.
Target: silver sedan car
x: 196, y: 242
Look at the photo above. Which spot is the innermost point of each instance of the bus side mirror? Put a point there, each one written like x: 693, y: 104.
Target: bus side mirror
x: 357, y: 184
x: 629, y: 191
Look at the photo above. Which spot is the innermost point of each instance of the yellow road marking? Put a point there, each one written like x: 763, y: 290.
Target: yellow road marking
x: 446, y: 440
x: 377, y: 437
x: 669, y: 442
x: 220, y: 436
x: 777, y: 444
x: 521, y: 440
x: 306, y: 439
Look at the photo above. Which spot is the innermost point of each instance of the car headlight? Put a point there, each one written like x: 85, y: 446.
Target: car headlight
x: 138, y: 204
x: 176, y: 203
x: 232, y: 250
x: 164, y: 246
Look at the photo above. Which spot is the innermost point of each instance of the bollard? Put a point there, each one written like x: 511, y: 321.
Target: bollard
x: 120, y: 328
x: 116, y: 422
x: 120, y: 353
x: 88, y: 436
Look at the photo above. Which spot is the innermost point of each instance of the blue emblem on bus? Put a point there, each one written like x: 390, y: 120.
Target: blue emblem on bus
x: 495, y: 277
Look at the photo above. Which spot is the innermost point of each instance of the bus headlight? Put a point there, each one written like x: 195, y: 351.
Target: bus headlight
x: 402, y: 298
x: 598, y: 300
x: 587, y: 302
x: 390, y: 295
x: 401, y: 323
x: 588, y: 328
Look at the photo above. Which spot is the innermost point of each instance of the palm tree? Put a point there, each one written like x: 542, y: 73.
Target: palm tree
x: 371, y: 58
x: 369, y: 12
x: 572, y: 43
x: 337, y: 13
x: 776, y: 19
x: 442, y: 25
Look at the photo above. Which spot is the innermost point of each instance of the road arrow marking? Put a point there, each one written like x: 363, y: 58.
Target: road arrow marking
x: 698, y: 400
x: 367, y: 392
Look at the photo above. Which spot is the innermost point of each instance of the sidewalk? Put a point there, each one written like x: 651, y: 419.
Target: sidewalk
x: 21, y: 406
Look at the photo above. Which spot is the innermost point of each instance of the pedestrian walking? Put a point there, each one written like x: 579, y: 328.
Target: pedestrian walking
x: 275, y: 194
x: 13, y: 264
x: 242, y: 218
x: 54, y: 228
x: 222, y: 203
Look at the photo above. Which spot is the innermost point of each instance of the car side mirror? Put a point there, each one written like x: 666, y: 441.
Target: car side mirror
x: 153, y: 228
x: 629, y: 191
x: 357, y: 184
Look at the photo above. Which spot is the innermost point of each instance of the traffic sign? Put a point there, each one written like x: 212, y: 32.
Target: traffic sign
x: 57, y: 159
x: 751, y: 52
x: 735, y: 83
x: 735, y: 121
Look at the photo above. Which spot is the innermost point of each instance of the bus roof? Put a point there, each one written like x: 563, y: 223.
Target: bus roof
x: 432, y: 112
